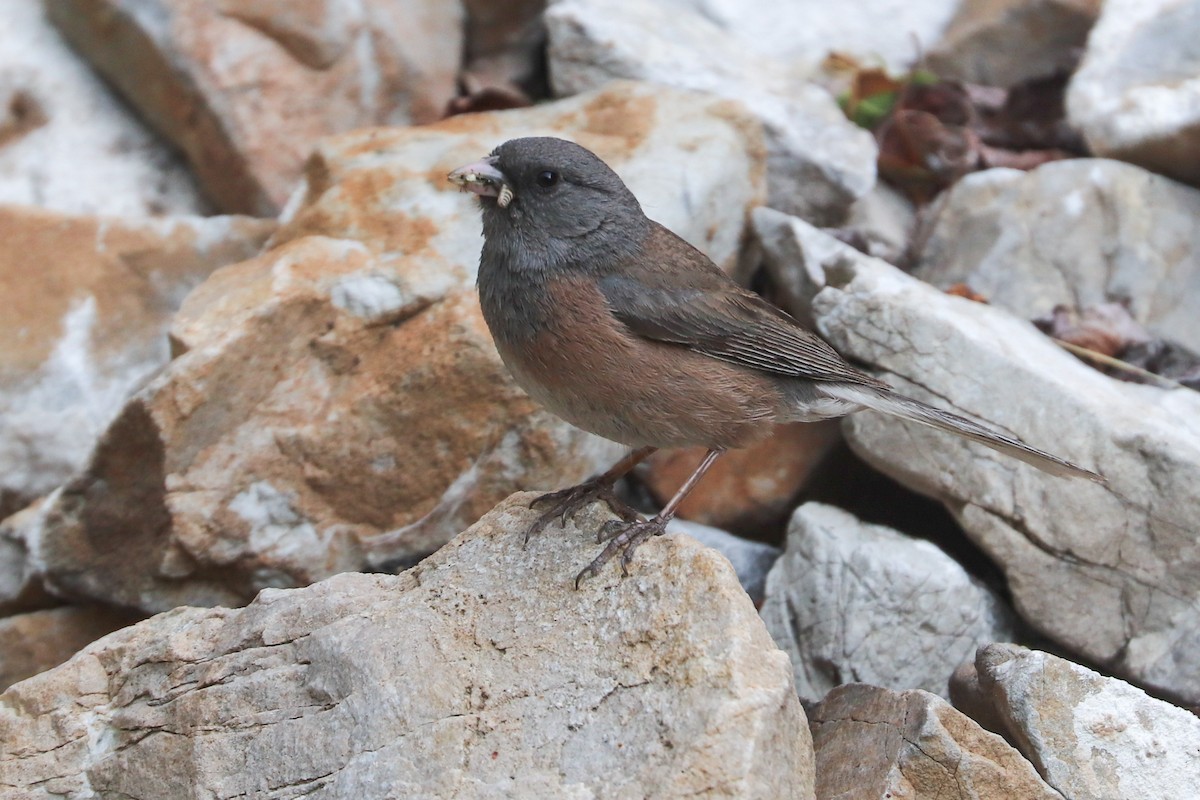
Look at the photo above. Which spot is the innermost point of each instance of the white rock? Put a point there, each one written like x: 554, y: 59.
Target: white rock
x: 1136, y: 96
x: 482, y: 672
x: 751, y: 560
x: 852, y: 602
x: 1078, y: 232
x: 1092, y: 736
x: 66, y: 142
x: 818, y: 162
x: 1107, y: 571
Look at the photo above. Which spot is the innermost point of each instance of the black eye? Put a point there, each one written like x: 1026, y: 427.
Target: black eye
x: 547, y: 178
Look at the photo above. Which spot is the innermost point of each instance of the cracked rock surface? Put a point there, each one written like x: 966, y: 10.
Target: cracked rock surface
x: 875, y: 743
x: 1110, y: 571
x: 453, y: 679
x: 849, y: 601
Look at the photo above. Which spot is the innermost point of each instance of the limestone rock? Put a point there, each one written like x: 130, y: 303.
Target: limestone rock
x: 1136, y: 96
x: 1007, y: 42
x: 1092, y: 736
x: 39, y: 640
x: 750, y: 489
x: 481, y: 672
x: 245, y: 88
x: 1105, y: 570
x: 852, y: 602
x: 818, y: 161
x: 66, y: 142
x: 1078, y: 232
x: 873, y: 743
x: 87, y: 305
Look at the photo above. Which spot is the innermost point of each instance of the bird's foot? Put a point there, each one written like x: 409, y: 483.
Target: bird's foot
x: 623, y: 536
x: 566, y: 503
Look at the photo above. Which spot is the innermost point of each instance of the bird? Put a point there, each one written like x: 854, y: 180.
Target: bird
x: 622, y: 328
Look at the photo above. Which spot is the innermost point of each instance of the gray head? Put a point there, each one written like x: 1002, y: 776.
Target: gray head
x: 548, y: 202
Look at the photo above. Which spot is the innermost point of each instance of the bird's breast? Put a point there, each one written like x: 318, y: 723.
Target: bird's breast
x: 564, y: 347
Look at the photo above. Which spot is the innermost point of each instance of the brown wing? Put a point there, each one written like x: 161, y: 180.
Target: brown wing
x: 677, y: 295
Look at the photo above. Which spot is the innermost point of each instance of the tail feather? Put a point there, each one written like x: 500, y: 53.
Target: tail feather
x: 905, y: 407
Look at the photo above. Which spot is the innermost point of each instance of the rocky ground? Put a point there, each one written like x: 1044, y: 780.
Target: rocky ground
x: 262, y: 472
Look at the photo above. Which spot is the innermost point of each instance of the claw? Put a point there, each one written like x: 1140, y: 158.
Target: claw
x: 625, y: 538
x: 566, y: 503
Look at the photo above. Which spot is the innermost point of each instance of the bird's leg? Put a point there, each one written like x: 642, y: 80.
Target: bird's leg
x: 565, y: 503
x: 626, y: 535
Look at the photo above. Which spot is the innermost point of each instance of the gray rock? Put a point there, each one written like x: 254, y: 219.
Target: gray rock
x: 874, y: 743
x: 818, y: 162
x: 482, y: 672
x: 1091, y: 736
x: 751, y: 560
x: 20, y: 575
x: 1106, y: 570
x: 1136, y: 96
x: 1078, y: 232
x: 852, y: 602
x: 1006, y: 42
x: 66, y: 142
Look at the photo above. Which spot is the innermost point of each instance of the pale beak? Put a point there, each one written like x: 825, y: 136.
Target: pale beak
x: 484, y: 179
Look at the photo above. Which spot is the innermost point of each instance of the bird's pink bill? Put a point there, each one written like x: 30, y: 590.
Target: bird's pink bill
x: 483, y: 179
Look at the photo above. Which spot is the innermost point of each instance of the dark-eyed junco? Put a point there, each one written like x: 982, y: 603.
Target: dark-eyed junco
x: 623, y: 329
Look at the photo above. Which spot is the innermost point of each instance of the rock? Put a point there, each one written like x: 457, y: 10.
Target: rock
x: 1092, y: 736
x: 337, y: 403
x: 804, y: 32
x: 505, y: 45
x: 300, y: 435
x: 884, y: 221
x: 751, y: 560
x: 1008, y: 42
x: 748, y: 490
x: 88, y: 301
x: 39, y: 640
x: 66, y: 142
x: 969, y: 697
x: 1079, y: 232
x: 695, y: 163
x: 1136, y: 96
x: 851, y: 602
x: 873, y: 743
x: 245, y: 88
x: 818, y: 161
x: 1107, y: 571
x: 20, y: 576
x: 481, y: 672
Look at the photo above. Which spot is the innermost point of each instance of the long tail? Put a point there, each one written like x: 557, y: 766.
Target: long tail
x: 900, y: 406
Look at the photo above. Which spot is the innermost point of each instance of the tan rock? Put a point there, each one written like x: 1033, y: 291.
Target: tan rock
x: 872, y: 743
x: 246, y: 87
x: 746, y: 490
x: 87, y: 304
x: 482, y: 672
x: 39, y: 640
